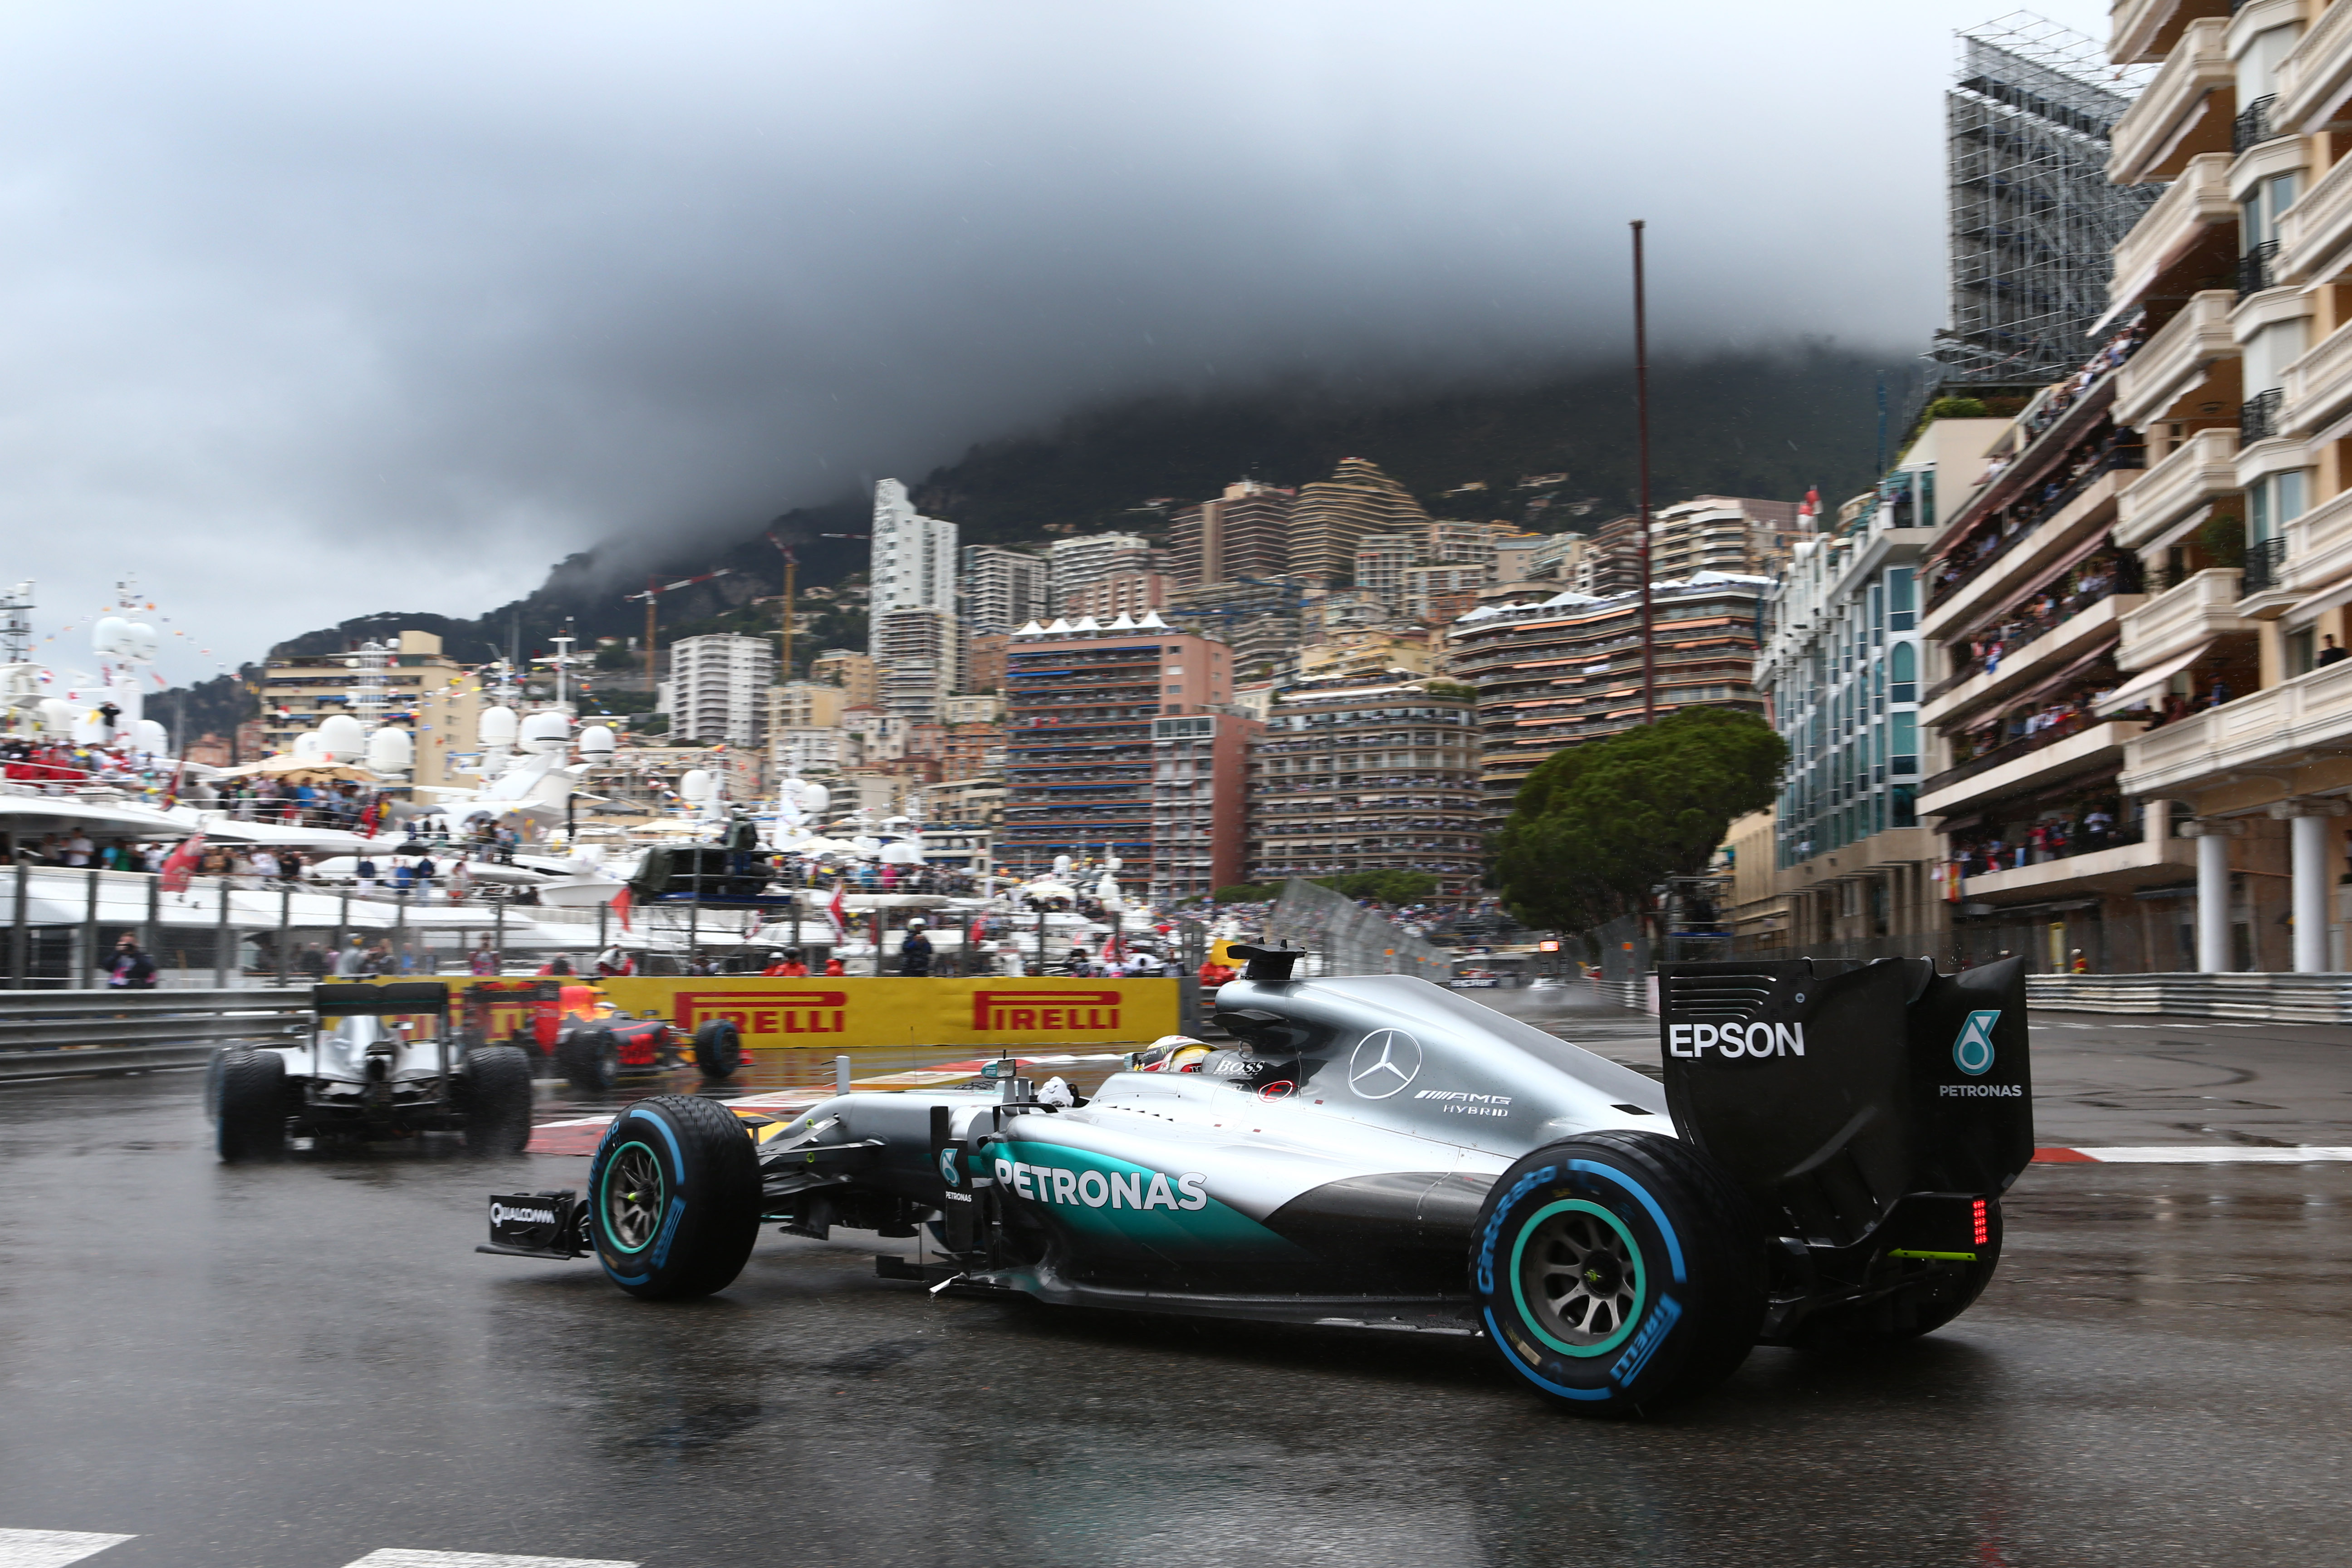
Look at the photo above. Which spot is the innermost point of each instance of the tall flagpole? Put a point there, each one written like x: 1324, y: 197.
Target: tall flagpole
x: 1641, y: 446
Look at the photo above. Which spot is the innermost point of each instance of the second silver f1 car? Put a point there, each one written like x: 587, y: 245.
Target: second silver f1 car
x: 1823, y: 1163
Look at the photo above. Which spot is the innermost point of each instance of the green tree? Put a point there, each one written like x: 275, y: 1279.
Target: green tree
x: 1596, y: 827
x: 1388, y: 887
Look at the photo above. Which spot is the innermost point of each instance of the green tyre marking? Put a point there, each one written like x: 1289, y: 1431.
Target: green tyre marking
x: 1532, y: 1318
x: 604, y: 1197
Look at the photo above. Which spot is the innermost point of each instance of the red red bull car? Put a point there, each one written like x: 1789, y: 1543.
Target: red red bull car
x: 594, y: 1043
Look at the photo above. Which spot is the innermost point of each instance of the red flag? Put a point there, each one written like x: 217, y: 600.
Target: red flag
x: 181, y: 864
x: 622, y: 904
x: 368, y: 817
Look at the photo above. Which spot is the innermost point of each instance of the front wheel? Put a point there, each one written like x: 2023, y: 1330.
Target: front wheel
x: 250, y: 1105
x: 674, y: 1198
x: 590, y: 1059
x: 718, y: 1050
x: 1618, y: 1271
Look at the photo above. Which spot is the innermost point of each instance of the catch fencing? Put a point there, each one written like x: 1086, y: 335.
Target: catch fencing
x: 1343, y: 938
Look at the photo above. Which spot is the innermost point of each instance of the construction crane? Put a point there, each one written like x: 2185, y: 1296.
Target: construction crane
x: 791, y: 571
x: 652, y: 596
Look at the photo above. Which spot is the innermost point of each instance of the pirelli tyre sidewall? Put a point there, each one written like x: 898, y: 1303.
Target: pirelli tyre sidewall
x: 1669, y: 1271
x: 674, y: 1198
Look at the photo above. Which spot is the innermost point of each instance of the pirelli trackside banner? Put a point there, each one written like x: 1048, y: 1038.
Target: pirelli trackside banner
x: 849, y: 1013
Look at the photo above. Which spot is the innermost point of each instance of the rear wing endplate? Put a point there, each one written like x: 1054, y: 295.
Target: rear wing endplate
x: 400, y: 996
x: 1829, y: 1089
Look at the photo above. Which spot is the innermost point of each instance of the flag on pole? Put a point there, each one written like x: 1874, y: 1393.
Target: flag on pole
x: 623, y: 902
x: 180, y: 866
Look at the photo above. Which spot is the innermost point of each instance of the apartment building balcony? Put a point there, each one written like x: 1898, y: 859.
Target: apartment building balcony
x: 2182, y: 619
x: 2196, y: 473
x: 2176, y: 362
x: 2312, y: 234
x: 2317, y: 75
x: 2029, y: 549
x: 2317, y: 389
x: 2187, y: 215
x: 2121, y: 869
x: 2267, y: 729
x: 2034, y: 762
x: 2319, y: 549
x: 2069, y: 639
x: 2186, y: 109
x: 2142, y: 32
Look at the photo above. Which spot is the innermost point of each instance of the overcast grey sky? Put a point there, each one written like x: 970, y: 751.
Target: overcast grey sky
x: 307, y: 311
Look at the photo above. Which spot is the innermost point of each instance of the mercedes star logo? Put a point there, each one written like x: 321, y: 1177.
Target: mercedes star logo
x: 1385, y: 1062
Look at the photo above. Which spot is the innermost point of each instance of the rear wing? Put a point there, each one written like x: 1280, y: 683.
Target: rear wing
x: 1829, y: 1089
x: 400, y: 996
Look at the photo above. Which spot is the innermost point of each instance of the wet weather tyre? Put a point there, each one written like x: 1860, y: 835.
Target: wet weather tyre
x: 251, y: 1116
x: 674, y: 1198
x: 718, y: 1048
x: 1618, y: 1272
x: 1940, y: 1292
x: 213, y: 1070
x: 590, y: 1059
x: 497, y: 1101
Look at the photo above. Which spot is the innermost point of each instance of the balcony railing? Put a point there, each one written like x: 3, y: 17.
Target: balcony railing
x: 2264, y: 560
x: 2253, y: 128
x: 2009, y: 641
x: 2258, y: 417
x: 2255, y: 267
x: 2315, y: 68
x: 2059, y: 840
x: 2074, y: 723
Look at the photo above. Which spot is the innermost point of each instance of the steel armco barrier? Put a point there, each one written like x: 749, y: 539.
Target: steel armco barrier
x: 52, y: 1034
x: 2250, y: 996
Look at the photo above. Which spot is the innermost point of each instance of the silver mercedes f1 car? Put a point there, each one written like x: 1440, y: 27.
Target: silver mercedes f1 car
x: 1824, y: 1163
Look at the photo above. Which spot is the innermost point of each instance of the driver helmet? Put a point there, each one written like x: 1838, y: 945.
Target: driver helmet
x: 1172, y: 1053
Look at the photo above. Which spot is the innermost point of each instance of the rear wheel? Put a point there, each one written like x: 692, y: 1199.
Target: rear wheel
x: 590, y: 1059
x: 1618, y: 1272
x: 674, y: 1198
x: 497, y: 1101
x: 251, y: 1105
x: 718, y: 1048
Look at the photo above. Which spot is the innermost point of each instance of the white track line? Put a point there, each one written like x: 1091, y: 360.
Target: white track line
x: 52, y: 1548
x: 2227, y: 1154
x: 395, y: 1557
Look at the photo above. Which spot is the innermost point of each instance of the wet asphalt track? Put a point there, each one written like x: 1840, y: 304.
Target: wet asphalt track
x: 296, y: 1366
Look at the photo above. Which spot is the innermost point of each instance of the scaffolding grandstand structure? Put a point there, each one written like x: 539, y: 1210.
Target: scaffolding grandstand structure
x: 2033, y: 221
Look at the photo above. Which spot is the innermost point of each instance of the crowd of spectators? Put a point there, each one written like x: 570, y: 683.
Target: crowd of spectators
x: 2118, y: 449
x: 2088, y: 828
x: 2083, y: 586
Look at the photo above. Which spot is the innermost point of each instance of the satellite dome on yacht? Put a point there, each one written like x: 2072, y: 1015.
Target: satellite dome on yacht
x: 391, y: 751
x: 342, y: 738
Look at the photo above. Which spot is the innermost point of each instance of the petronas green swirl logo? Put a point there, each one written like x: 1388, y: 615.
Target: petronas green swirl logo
x: 1972, y: 1052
